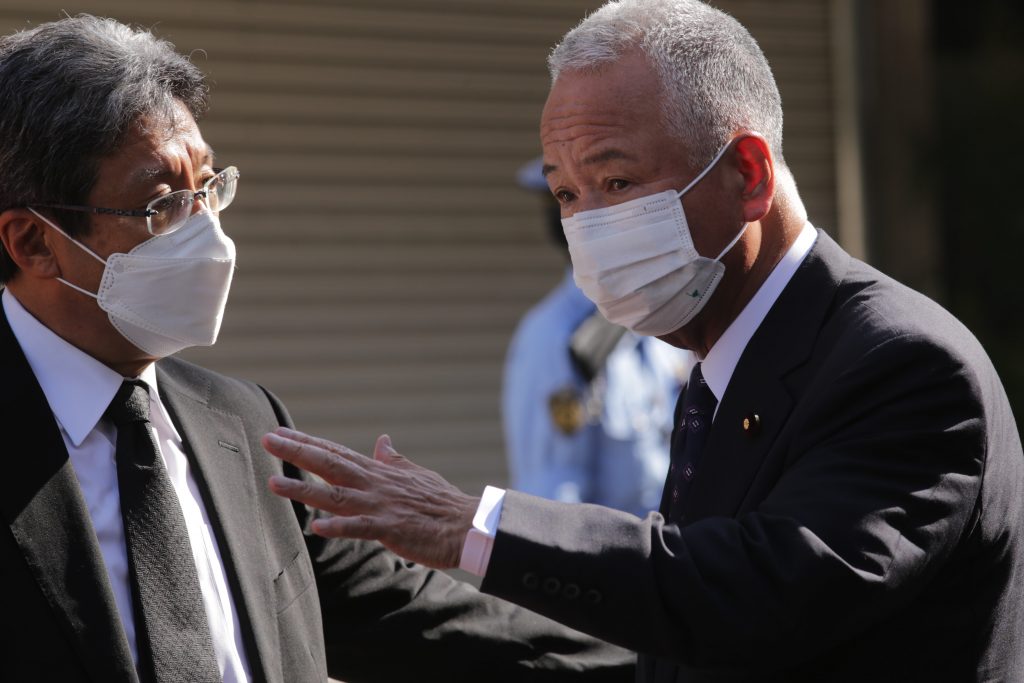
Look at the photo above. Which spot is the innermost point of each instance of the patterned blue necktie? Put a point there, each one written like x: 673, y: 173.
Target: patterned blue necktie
x: 688, y: 443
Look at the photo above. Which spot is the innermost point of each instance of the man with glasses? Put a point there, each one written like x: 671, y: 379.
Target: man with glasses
x: 138, y: 540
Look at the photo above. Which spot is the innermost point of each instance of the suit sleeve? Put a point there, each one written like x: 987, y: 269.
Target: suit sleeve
x: 386, y: 619
x: 880, y: 479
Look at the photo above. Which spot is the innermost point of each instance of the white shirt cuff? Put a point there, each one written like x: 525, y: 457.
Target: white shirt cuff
x: 476, y: 551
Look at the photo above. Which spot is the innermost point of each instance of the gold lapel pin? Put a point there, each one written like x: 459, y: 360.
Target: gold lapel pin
x: 752, y: 424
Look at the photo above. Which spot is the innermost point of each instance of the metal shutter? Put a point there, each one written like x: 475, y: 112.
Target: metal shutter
x: 385, y: 253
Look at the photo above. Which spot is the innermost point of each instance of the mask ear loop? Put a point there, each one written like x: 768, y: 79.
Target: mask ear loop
x: 81, y: 246
x: 733, y: 243
x: 707, y: 169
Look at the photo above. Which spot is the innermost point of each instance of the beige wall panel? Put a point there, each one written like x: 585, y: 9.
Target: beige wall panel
x: 385, y: 253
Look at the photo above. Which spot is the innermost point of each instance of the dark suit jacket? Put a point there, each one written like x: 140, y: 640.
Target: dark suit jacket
x: 871, y: 531
x: 307, y: 606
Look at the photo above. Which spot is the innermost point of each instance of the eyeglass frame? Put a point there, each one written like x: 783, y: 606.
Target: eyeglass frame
x: 148, y: 213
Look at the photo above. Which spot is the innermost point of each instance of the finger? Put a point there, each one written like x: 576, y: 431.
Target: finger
x: 327, y: 445
x: 360, y: 526
x: 312, y: 458
x: 335, y: 499
x: 384, y: 452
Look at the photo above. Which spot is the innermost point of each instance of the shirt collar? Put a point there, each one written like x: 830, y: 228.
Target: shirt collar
x: 77, y: 386
x: 723, y: 357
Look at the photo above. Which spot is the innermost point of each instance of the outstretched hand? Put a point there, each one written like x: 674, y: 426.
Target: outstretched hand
x: 413, y: 511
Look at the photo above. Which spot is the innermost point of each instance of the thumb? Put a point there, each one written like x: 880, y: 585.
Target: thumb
x: 385, y: 452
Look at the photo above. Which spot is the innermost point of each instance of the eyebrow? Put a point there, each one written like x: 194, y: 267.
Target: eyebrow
x: 600, y: 157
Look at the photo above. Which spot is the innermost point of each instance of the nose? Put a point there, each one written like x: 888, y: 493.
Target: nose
x: 199, y: 202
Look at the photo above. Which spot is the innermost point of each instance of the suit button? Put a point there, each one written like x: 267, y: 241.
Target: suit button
x: 552, y: 585
x: 593, y: 596
x: 531, y: 581
x: 571, y: 591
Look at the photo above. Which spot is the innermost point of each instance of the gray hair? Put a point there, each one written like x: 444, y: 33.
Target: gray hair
x: 71, y: 91
x: 716, y: 80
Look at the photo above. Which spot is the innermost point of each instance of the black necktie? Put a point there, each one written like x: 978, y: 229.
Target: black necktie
x: 688, y: 443
x: 171, y: 630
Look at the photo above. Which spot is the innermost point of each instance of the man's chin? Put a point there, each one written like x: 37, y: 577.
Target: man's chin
x: 680, y: 338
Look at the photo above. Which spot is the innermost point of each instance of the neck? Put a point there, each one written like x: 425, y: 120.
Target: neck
x: 78, y: 320
x: 748, y: 265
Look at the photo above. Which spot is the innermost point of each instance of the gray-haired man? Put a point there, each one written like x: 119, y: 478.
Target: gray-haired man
x: 138, y: 540
x: 845, y: 496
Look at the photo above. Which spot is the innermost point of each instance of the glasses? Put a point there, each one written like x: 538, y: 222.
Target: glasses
x: 166, y: 214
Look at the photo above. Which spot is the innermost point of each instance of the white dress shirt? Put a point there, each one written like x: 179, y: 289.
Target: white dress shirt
x: 722, y: 358
x: 79, y: 388
x: 717, y: 366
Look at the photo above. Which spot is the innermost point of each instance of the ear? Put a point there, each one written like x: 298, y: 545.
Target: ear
x: 24, y: 238
x: 754, y: 162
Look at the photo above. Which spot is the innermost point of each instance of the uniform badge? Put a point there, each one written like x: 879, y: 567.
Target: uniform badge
x: 566, y: 406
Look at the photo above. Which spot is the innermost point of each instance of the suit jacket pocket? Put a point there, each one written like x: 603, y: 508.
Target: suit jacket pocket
x: 294, y: 580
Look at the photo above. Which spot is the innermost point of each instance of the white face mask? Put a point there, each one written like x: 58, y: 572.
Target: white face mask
x: 637, y: 262
x: 169, y: 292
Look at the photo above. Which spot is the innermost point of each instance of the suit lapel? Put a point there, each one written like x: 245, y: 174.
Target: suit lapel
x: 44, y: 506
x: 735, y: 451
x: 217, y: 447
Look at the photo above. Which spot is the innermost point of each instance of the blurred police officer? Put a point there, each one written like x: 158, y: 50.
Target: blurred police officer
x: 586, y: 404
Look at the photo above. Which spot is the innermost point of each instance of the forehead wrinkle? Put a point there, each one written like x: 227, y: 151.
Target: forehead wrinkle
x: 157, y: 168
x: 610, y: 154
x: 581, y: 116
x: 580, y: 133
x: 588, y: 131
x: 565, y: 120
x: 150, y: 172
x: 163, y: 168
